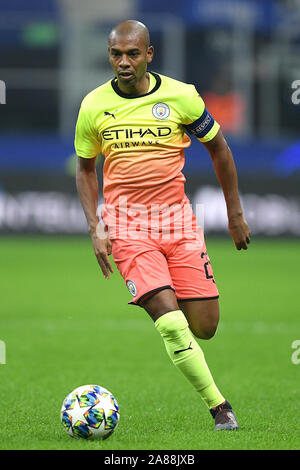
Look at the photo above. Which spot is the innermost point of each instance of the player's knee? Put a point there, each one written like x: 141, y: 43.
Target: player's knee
x: 173, y: 329
x: 206, y: 331
x: 160, y: 303
x: 210, y: 331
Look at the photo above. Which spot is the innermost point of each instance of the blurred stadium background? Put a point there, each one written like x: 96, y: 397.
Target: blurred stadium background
x: 57, y: 311
x: 243, y: 56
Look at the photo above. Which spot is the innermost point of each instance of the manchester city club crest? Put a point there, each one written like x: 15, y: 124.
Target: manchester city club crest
x: 161, y: 111
x: 132, y: 288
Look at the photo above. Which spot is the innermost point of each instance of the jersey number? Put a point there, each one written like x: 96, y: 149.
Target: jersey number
x: 207, y: 266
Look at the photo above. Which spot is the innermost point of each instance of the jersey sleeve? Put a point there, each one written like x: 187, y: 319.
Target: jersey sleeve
x: 197, y: 120
x: 86, y: 141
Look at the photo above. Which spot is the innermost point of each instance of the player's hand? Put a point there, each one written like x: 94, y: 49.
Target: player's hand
x: 240, y: 232
x: 102, y: 248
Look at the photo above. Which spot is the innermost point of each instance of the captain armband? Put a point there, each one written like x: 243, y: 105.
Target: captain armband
x: 204, y: 128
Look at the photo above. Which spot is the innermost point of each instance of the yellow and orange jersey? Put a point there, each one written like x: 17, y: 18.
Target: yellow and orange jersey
x: 142, y: 138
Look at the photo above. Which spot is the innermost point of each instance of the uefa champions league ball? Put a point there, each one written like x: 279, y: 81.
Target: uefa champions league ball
x: 90, y: 412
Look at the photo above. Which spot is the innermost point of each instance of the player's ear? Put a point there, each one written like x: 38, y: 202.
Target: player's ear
x: 150, y: 54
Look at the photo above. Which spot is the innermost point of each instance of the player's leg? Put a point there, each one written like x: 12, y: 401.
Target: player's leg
x: 148, y: 279
x: 194, y: 283
x: 160, y: 303
x: 202, y: 316
x: 197, y: 297
x: 182, y: 348
x: 186, y: 354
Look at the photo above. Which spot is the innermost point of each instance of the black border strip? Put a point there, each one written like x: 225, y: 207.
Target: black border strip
x: 125, y: 95
x: 150, y: 292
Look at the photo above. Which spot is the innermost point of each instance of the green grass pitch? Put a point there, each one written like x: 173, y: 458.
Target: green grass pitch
x: 64, y: 325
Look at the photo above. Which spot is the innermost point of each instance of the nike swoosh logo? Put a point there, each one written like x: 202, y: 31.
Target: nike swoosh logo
x: 181, y: 350
x: 106, y: 113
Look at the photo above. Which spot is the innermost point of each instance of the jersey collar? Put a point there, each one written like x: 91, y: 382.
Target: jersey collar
x: 125, y: 95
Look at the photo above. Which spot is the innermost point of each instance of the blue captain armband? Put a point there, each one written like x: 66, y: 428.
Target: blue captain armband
x: 202, y: 126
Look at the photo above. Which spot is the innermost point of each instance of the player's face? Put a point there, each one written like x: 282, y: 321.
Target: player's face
x: 129, y: 58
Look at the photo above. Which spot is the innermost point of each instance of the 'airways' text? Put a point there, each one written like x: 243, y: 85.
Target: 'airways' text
x: 127, y: 145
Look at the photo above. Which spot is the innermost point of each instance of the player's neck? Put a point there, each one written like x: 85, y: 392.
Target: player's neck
x: 137, y: 89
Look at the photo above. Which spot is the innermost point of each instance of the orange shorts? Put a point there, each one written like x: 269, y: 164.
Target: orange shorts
x: 153, y: 264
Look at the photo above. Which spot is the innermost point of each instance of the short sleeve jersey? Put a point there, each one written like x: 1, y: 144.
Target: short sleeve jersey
x: 142, y: 138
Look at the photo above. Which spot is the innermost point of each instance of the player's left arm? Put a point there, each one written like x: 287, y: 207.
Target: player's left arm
x: 226, y: 173
x: 199, y: 122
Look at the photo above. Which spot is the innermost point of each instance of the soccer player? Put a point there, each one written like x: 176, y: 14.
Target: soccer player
x: 138, y: 121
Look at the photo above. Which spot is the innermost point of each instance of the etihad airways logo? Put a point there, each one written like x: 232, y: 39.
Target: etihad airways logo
x: 121, y: 134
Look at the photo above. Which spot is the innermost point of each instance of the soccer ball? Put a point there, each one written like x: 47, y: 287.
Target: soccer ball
x: 90, y: 412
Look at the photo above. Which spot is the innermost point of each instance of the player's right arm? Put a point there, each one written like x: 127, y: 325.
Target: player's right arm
x: 87, y: 148
x: 88, y: 191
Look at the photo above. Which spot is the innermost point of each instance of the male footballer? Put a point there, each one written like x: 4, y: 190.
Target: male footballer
x: 139, y: 122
